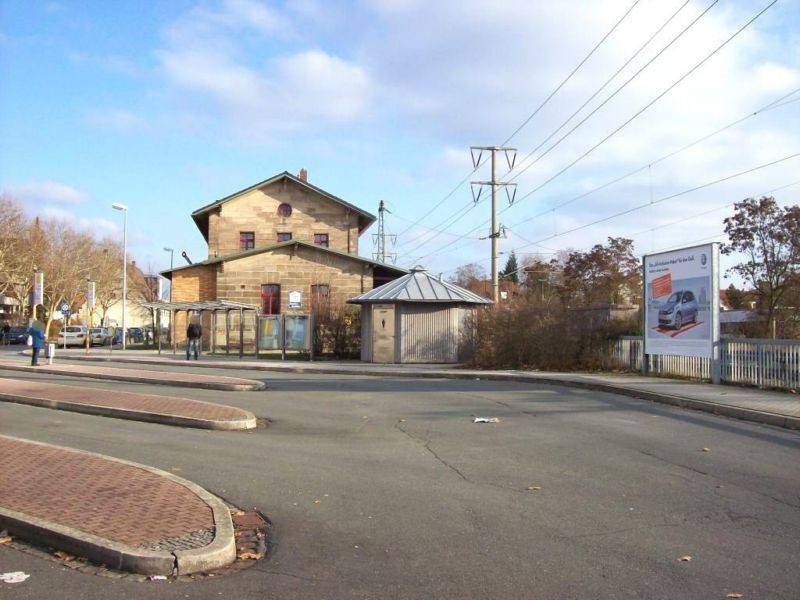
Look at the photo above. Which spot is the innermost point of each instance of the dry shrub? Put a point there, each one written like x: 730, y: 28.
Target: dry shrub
x: 528, y: 336
x: 337, y: 331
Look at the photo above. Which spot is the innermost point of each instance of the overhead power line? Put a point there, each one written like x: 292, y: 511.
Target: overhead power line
x: 778, y: 103
x: 528, y: 119
x: 568, y: 77
x: 637, y: 114
x: 682, y: 244
x: 669, y: 197
x: 649, y: 104
x: 609, y: 80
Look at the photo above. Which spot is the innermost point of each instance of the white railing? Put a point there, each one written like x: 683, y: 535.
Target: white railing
x: 762, y: 363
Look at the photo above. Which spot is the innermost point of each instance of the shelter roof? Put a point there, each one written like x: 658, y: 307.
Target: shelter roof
x: 200, y: 306
x: 200, y: 216
x: 421, y: 287
x: 291, y: 243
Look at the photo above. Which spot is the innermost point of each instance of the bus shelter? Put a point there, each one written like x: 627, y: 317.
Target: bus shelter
x: 209, y: 311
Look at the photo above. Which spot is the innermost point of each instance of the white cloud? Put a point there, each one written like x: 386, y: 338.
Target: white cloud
x: 97, y: 226
x: 210, y: 62
x: 41, y: 192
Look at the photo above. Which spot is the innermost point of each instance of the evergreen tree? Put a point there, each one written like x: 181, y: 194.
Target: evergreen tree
x: 511, y: 272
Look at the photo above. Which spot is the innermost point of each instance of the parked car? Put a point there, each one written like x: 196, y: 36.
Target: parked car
x: 680, y: 308
x: 99, y: 336
x: 72, y: 335
x: 18, y: 335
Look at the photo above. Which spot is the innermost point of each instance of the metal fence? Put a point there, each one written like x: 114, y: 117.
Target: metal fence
x: 762, y: 363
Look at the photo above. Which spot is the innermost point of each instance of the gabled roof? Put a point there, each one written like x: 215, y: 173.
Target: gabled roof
x: 200, y: 216
x: 420, y: 286
x: 296, y: 243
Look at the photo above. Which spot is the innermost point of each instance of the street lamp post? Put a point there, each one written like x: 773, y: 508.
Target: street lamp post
x: 171, y: 314
x: 171, y: 252
x: 124, y: 209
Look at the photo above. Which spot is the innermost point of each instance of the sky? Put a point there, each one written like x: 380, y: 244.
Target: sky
x: 167, y: 106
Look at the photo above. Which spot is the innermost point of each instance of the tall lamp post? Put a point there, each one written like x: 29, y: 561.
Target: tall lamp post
x: 171, y: 314
x: 171, y: 252
x: 124, y: 209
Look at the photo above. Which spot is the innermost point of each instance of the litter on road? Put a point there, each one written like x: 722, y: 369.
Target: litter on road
x: 14, y: 577
x: 486, y: 420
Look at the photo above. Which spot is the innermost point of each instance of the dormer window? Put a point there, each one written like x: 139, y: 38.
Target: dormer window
x: 285, y: 210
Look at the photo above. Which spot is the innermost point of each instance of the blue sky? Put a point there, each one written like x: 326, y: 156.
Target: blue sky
x: 168, y: 106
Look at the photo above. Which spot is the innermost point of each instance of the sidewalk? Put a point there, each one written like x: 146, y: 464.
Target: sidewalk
x: 780, y: 409
x: 167, y: 410
x: 117, y: 513
x: 192, y: 380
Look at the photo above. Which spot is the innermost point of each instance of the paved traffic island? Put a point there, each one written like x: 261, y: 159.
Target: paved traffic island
x: 122, y: 514
x: 209, y: 382
x: 166, y: 410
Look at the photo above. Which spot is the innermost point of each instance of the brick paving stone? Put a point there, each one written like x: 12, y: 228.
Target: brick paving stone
x: 116, y: 501
x: 163, y: 405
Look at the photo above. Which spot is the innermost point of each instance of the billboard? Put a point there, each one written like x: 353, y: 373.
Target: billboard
x: 681, y: 290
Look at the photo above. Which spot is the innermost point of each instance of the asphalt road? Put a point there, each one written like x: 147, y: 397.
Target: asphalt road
x: 385, y: 488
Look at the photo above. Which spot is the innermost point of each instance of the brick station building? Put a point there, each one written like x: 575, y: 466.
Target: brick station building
x: 280, y: 237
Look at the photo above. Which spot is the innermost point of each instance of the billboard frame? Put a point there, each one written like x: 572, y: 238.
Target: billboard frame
x: 712, y: 350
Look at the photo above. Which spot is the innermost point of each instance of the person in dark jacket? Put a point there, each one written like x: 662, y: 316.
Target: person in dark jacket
x: 36, y: 331
x: 193, y: 334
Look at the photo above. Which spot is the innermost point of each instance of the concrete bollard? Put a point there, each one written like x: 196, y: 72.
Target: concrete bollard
x: 49, y: 353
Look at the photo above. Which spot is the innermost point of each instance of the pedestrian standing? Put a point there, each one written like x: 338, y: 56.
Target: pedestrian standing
x: 36, y: 331
x: 6, y: 333
x: 193, y: 334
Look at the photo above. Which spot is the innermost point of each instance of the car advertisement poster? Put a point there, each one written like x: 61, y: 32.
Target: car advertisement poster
x: 681, y: 314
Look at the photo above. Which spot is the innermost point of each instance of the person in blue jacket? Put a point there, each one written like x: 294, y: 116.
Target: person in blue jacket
x: 36, y: 331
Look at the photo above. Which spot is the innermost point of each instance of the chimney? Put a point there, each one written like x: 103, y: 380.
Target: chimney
x: 303, y: 175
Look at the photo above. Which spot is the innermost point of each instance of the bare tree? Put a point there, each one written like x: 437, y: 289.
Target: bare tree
x: 769, y: 238
x: 107, y: 275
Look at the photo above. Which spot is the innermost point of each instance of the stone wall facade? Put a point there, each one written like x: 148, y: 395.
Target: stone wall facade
x: 257, y: 211
x: 293, y: 268
x: 192, y: 285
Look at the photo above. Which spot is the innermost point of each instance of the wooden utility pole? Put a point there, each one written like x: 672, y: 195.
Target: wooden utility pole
x: 511, y: 157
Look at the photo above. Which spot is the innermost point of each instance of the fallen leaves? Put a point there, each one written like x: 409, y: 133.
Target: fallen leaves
x: 5, y: 539
x: 60, y: 554
x: 249, y: 555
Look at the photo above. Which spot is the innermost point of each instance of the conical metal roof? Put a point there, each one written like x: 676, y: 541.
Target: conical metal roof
x: 420, y: 286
